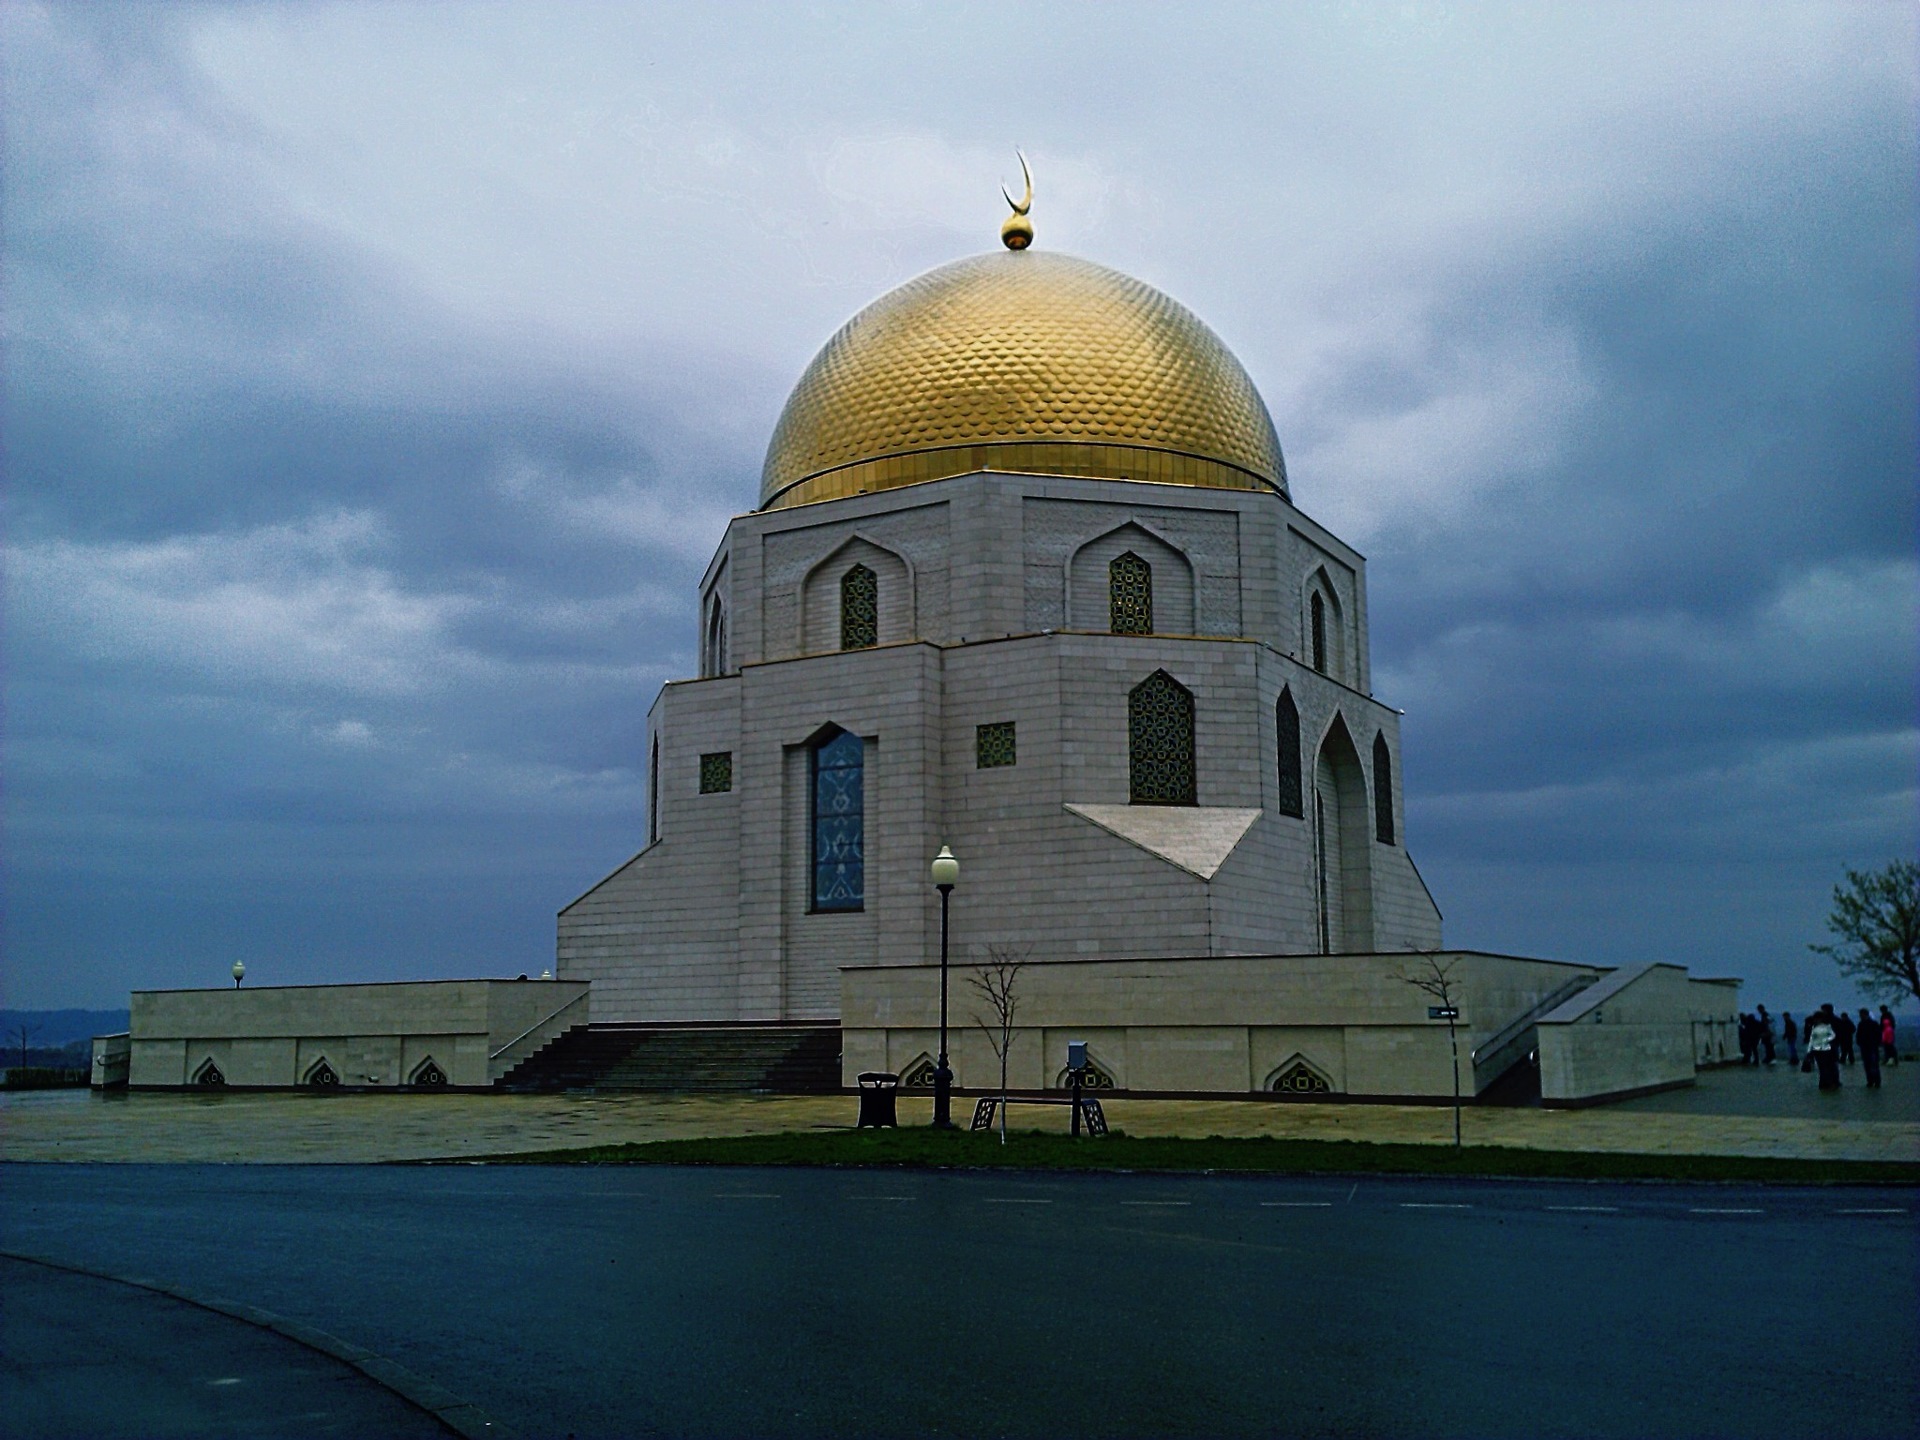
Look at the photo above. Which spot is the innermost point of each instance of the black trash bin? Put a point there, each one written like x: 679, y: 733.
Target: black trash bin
x: 878, y: 1089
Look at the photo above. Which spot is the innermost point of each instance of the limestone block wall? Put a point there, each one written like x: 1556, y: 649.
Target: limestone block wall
x: 659, y: 938
x: 1201, y: 1024
x: 369, y: 1035
x: 1630, y: 1032
x: 1716, y: 1021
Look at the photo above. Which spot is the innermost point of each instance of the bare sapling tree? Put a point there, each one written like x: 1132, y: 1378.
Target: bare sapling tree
x: 1432, y: 977
x: 997, y: 981
x: 1875, y: 922
x: 25, y: 1034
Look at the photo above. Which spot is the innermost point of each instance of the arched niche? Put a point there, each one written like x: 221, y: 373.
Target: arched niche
x: 1342, y: 844
x: 822, y: 588
x: 1090, y: 569
x: 1323, y: 627
x: 1298, y: 1076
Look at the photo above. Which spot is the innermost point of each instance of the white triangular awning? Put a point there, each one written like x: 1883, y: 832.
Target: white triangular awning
x: 1197, y: 838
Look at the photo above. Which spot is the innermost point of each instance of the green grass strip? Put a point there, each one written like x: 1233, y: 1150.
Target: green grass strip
x: 923, y: 1148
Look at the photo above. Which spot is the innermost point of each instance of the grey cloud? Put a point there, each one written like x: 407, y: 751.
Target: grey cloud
x: 380, y: 378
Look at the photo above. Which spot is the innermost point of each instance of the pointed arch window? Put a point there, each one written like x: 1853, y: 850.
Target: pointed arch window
x: 1130, y: 595
x: 1286, y: 729
x: 839, y: 823
x: 1382, y: 791
x: 716, y: 646
x: 1160, y: 768
x: 1317, y: 624
x: 859, y: 609
x: 653, y: 793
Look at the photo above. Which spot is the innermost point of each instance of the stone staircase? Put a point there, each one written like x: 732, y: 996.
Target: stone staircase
x: 780, y: 1059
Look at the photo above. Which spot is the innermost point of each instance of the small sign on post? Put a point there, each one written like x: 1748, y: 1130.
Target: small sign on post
x: 1443, y: 1012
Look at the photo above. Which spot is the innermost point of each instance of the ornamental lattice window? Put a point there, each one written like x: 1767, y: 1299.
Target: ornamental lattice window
x: 428, y: 1075
x: 839, y: 824
x: 1297, y: 1079
x: 1382, y: 791
x: 323, y: 1076
x: 1160, y: 768
x: 993, y: 745
x: 1130, y: 595
x: 716, y: 772
x: 859, y: 609
x: 1286, y: 728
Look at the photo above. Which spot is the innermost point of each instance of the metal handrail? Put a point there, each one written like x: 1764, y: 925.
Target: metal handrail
x: 536, y: 1025
x: 1512, y: 1030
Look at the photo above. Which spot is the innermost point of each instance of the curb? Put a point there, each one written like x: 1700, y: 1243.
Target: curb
x: 460, y: 1416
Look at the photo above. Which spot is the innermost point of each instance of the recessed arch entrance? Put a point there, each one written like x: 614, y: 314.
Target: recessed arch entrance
x: 1342, y: 853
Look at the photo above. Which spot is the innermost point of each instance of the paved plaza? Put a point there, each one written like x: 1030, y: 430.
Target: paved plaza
x: 1731, y: 1111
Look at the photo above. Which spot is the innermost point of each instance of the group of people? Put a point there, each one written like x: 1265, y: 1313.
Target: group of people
x: 1832, y: 1040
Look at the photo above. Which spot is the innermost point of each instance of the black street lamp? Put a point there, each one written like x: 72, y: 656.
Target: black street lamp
x: 946, y: 874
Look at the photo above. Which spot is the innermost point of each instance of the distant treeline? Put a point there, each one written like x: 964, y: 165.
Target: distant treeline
x: 55, y: 1029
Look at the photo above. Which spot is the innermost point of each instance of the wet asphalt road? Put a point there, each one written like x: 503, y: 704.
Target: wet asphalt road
x: 640, y: 1301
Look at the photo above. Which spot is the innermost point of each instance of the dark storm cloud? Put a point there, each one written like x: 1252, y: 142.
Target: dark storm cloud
x: 380, y: 378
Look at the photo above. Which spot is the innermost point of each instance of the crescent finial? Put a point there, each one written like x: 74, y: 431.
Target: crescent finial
x: 1016, y: 231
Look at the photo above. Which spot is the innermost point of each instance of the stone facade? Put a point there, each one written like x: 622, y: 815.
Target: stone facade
x: 471, y: 1032
x: 994, y: 607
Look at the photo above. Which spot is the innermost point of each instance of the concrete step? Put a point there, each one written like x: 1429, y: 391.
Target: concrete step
x: 779, y: 1059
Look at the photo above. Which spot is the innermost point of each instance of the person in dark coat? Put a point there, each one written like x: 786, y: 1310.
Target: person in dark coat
x: 1821, y: 1048
x: 1843, y: 1036
x: 1763, y: 1032
x: 1867, y: 1036
x: 1790, y: 1033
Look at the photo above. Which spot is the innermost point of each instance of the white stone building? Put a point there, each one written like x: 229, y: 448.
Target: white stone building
x: 1028, y: 538
x: 1027, y: 579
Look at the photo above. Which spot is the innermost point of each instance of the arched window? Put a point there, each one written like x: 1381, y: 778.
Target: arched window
x: 715, y: 657
x: 1382, y: 791
x: 1317, y: 609
x: 1286, y: 730
x: 1160, y: 769
x: 859, y: 609
x: 1130, y: 595
x: 839, y: 823
x: 653, y: 794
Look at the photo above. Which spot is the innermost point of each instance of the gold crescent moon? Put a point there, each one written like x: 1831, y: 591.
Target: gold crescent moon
x: 1025, y: 203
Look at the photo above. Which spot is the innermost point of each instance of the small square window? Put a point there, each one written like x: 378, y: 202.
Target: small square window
x: 993, y: 745
x: 716, y: 773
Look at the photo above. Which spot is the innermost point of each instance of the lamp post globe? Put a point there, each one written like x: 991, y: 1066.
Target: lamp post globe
x: 239, y: 972
x: 946, y: 874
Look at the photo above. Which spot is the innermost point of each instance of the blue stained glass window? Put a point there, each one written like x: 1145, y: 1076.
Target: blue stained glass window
x: 839, y: 824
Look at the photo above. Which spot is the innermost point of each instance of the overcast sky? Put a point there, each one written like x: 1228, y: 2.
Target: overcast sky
x: 380, y: 378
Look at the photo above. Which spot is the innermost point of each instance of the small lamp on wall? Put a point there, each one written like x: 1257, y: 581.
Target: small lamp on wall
x: 239, y: 972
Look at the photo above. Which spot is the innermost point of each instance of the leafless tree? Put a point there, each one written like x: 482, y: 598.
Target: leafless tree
x: 996, y: 981
x: 1432, y: 977
x: 26, y: 1033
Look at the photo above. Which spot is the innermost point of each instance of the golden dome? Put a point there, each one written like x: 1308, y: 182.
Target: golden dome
x: 1028, y: 361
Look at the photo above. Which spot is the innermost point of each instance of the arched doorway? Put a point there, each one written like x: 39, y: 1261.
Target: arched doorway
x: 1342, y: 855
